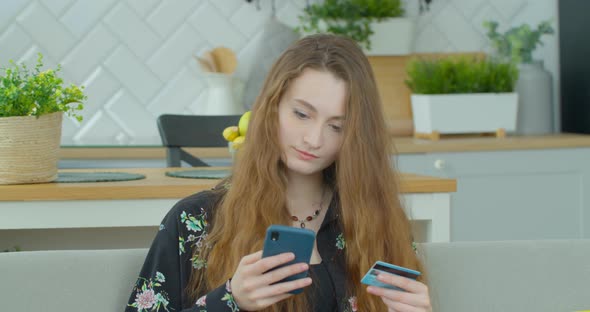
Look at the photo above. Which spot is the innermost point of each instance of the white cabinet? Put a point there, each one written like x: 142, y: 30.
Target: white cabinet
x: 511, y: 195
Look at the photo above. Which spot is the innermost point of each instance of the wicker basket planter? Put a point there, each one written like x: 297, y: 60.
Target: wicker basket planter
x: 29, y: 148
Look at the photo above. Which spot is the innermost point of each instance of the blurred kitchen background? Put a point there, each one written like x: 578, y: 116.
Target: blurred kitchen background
x: 136, y: 58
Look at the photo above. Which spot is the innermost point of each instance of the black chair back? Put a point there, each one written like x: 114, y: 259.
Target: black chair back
x: 178, y: 131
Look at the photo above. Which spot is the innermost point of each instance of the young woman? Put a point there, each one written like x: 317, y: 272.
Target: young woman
x: 317, y: 155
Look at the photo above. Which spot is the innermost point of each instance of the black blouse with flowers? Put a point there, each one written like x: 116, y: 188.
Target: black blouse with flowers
x: 169, y: 263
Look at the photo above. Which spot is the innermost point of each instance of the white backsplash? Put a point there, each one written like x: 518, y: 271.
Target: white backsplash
x: 136, y: 57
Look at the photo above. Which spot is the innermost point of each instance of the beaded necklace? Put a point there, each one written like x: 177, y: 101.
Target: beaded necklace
x: 313, y: 216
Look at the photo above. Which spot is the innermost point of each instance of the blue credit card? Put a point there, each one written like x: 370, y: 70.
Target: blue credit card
x: 383, y: 267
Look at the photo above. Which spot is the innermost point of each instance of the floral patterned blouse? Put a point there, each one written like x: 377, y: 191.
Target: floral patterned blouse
x: 169, y: 263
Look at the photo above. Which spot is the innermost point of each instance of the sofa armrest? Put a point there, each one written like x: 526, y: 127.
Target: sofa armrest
x: 69, y: 280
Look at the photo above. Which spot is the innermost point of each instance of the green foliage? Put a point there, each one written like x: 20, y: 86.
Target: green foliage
x: 350, y: 18
x: 12, y: 249
x: 518, y: 43
x: 25, y: 92
x: 460, y: 75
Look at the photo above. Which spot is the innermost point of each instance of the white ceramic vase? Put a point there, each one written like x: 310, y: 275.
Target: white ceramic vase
x: 535, y: 99
x: 221, y: 95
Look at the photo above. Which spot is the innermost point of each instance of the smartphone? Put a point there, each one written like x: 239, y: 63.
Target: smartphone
x: 281, y: 238
x: 383, y: 267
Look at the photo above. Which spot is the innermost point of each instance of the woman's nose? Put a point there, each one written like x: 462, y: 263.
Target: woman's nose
x: 314, y: 137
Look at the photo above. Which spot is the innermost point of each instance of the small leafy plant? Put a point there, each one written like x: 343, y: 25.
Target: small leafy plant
x: 460, y: 75
x: 518, y: 43
x: 350, y: 18
x: 25, y: 92
x: 11, y: 249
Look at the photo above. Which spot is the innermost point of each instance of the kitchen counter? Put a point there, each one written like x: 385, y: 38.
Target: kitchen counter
x: 464, y: 143
x: 404, y: 145
x: 158, y: 185
x: 32, y: 212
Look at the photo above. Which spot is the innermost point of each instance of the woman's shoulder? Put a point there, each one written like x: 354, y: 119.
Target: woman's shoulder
x: 198, y: 206
x: 202, y: 198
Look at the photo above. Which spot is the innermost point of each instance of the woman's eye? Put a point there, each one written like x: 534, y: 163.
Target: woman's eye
x: 336, y: 128
x: 299, y: 114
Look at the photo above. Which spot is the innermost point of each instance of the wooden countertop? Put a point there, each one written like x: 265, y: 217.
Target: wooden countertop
x: 404, y: 145
x: 479, y: 144
x: 158, y: 185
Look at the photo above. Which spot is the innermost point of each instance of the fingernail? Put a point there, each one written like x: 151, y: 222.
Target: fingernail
x: 371, y: 289
x: 288, y: 256
x: 303, y: 266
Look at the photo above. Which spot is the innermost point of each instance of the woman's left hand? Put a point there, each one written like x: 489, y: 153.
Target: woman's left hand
x: 414, y: 299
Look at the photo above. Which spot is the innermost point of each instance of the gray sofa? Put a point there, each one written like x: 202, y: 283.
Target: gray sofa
x: 476, y: 276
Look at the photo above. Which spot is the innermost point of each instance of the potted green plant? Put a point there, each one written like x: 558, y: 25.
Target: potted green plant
x: 379, y: 26
x: 517, y: 43
x: 534, y: 85
x: 32, y: 103
x: 455, y: 95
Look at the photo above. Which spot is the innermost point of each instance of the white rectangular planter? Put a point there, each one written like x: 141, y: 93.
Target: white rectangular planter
x: 394, y: 36
x: 464, y: 113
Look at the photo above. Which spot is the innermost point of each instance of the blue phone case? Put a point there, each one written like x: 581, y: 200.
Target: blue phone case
x: 383, y: 267
x: 281, y: 238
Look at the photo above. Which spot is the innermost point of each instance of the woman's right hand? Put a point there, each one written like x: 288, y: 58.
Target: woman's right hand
x: 252, y: 288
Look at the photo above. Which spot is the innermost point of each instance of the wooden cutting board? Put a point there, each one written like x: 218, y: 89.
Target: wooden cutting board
x: 390, y: 74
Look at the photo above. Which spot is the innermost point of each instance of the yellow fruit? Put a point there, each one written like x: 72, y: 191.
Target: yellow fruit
x: 230, y: 133
x: 237, y: 142
x: 243, y: 123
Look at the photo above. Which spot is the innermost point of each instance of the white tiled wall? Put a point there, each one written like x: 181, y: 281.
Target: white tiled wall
x: 135, y: 57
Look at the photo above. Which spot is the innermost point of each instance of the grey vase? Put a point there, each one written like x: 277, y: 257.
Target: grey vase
x: 534, y: 99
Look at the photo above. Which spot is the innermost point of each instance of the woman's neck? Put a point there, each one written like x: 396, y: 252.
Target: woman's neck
x: 303, y: 192
x: 302, y: 186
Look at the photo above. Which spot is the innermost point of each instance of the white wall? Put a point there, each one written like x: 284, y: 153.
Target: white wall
x: 135, y: 57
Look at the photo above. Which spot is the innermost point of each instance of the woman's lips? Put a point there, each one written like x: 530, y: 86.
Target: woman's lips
x: 305, y: 156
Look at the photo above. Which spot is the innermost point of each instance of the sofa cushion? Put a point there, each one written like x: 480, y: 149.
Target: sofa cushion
x: 463, y: 276
x: 543, y: 275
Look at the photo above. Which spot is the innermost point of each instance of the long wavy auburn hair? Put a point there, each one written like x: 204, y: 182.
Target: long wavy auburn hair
x: 373, y: 222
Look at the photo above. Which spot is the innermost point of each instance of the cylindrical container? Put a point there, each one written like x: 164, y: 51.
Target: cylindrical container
x: 29, y: 148
x: 534, y: 97
x: 221, y: 98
